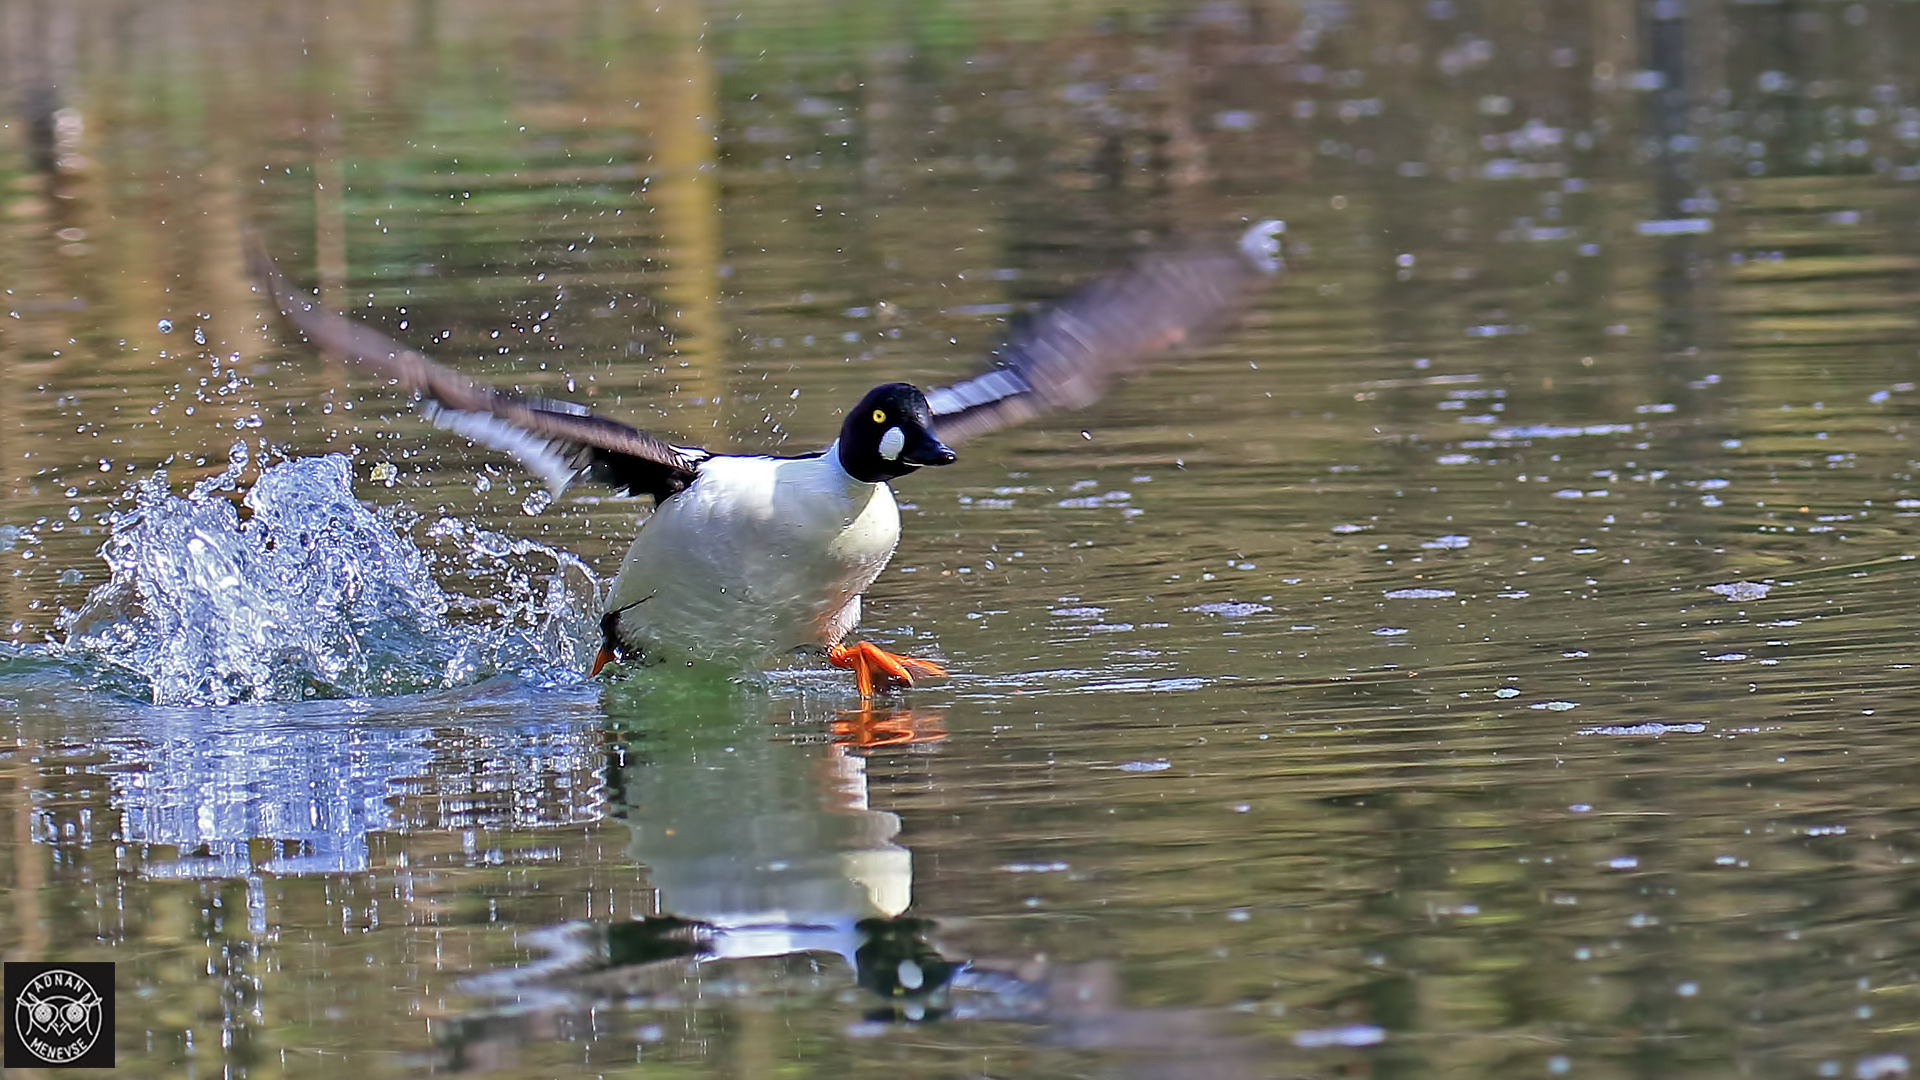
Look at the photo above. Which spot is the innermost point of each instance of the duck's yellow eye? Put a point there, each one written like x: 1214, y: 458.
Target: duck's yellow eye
x: 879, y: 416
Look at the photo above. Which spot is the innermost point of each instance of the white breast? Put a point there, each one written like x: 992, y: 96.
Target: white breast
x: 755, y: 559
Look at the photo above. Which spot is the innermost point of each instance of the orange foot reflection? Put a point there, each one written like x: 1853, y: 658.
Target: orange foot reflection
x: 601, y: 659
x: 868, y: 660
x: 871, y: 729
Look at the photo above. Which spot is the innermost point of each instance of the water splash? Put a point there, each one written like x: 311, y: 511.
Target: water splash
x: 311, y: 594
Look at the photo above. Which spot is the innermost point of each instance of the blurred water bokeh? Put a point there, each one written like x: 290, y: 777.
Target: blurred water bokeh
x: 1492, y: 659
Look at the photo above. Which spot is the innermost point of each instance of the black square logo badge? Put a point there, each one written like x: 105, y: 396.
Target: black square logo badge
x: 59, y: 1015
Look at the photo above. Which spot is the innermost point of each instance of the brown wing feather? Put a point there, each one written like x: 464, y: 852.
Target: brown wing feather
x: 560, y: 440
x: 1071, y: 352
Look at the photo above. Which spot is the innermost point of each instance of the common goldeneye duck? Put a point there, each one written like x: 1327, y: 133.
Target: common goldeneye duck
x: 746, y: 557
x: 758, y: 556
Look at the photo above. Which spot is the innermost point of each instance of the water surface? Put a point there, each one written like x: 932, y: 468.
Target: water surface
x: 1492, y: 658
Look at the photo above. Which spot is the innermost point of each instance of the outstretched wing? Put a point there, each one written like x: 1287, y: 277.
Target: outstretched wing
x: 558, y: 440
x: 1066, y: 357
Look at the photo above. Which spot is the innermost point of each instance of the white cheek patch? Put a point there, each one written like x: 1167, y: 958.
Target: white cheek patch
x: 892, y: 443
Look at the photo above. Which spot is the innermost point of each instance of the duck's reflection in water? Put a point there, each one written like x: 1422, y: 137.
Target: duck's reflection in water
x: 769, y: 863
x: 762, y: 834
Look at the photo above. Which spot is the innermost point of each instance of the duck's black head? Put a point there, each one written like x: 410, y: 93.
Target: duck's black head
x: 890, y: 434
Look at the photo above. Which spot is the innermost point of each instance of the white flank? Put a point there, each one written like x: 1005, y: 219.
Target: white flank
x: 759, y: 556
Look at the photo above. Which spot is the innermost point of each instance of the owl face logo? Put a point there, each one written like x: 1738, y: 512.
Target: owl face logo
x: 58, y: 1016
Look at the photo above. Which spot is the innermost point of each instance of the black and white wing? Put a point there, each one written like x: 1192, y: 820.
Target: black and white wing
x: 558, y: 440
x: 1066, y: 357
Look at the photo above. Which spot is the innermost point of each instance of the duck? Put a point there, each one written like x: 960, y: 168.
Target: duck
x: 747, y: 558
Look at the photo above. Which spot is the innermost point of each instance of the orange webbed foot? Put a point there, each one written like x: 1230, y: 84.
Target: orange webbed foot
x: 868, y: 660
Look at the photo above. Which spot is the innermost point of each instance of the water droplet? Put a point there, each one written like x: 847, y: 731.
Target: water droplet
x: 313, y: 595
